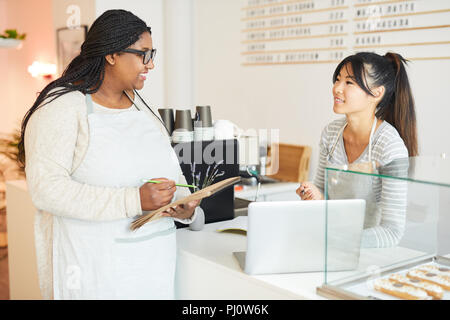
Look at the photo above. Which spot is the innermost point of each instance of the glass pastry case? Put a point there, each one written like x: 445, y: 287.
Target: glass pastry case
x: 402, y: 235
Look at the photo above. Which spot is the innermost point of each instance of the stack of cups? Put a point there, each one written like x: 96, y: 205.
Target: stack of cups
x: 203, y: 127
x: 168, y: 119
x: 183, y: 127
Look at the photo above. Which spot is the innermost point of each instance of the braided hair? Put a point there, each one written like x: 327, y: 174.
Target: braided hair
x: 110, y: 33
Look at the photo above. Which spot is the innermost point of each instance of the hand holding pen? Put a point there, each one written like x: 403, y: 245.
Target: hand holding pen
x: 156, y: 195
x: 308, y: 191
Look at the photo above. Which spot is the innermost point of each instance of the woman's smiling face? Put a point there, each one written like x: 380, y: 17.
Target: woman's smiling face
x: 130, y: 68
x: 348, y: 96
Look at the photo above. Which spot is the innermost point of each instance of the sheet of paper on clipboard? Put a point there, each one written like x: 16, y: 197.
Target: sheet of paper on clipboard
x: 203, y: 193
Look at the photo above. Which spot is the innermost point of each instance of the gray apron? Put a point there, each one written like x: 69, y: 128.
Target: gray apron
x: 344, y: 185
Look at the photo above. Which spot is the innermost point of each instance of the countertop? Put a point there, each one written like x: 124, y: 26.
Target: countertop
x: 216, y: 248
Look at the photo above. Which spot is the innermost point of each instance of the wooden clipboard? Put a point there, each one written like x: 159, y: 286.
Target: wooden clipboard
x: 203, y: 193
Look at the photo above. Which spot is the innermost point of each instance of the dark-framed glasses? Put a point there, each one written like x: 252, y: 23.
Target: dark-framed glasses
x: 147, y: 55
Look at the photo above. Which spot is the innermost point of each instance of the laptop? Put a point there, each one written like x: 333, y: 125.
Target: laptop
x: 289, y: 236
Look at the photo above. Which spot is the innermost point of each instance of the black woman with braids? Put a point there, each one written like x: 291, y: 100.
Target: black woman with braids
x: 87, y: 143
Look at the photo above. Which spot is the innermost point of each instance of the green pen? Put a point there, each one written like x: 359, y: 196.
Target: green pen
x: 177, y: 184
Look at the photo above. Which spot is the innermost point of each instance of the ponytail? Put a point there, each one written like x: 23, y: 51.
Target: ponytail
x: 400, y: 110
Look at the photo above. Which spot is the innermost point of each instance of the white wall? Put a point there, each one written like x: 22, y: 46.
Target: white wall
x: 151, y: 11
x: 296, y: 99
x: 18, y: 88
x: 178, y: 53
x: 4, y: 125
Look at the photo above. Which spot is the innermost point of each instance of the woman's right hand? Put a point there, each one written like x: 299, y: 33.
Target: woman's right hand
x: 308, y: 191
x: 156, y: 195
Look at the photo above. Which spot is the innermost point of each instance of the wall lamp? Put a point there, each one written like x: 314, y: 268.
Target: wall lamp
x: 41, y: 69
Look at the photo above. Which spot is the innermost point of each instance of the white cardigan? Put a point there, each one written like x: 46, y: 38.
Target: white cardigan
x: 56, y: 141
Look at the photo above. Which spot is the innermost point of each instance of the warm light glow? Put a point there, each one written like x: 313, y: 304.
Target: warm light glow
x: 42, y: 69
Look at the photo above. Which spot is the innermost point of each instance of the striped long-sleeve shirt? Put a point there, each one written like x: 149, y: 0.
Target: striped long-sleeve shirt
x: 385, y: 219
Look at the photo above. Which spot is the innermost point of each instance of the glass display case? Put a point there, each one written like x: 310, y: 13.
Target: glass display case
x: 398, y: 245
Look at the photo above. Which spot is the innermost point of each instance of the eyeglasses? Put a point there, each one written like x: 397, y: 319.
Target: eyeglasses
x: 147, y: 54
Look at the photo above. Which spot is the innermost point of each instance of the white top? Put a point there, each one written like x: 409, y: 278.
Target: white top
x: 56, y: 140
x: 98, y: 108
x: 386, y: 227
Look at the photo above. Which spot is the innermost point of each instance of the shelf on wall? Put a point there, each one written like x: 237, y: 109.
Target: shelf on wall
x: 10, y: 43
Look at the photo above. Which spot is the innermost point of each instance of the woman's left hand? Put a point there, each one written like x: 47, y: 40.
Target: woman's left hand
x: 183, y: 211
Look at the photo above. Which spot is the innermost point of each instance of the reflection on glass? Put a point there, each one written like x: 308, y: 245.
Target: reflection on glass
x: 406, y: 219
x: 385, y: 198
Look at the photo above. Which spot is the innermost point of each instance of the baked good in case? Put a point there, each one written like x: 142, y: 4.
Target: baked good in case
x: 431, y: 289
x: 429, y: 276
x: 441, y: 271
x: 400, y: 290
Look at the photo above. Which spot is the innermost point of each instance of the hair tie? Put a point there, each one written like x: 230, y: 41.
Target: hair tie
x: 394, y: 59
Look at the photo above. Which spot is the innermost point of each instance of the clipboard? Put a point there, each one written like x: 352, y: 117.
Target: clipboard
x: 203, y: 193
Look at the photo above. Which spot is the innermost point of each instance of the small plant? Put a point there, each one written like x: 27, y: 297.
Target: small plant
x: 209, y: 177
x: 9, y: 147
x: 13, y: 34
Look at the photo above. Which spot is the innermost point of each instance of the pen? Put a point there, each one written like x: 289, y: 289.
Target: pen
x: 303, y: 191
x: 178, y: 184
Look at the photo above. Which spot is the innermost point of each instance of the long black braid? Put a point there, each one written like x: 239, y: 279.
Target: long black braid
x: 110, y: 33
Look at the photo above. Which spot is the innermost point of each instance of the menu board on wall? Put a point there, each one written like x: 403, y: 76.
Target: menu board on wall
x: 325, y: 31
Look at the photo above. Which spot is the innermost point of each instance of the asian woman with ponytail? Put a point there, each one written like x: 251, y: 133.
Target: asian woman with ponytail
x: 379, y: 126
x: 87, y: 142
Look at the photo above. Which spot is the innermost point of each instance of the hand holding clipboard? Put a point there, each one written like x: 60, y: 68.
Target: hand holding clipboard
x: 204, y: 193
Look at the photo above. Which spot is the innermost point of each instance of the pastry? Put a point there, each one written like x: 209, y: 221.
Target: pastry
x: 441, y: 271
x: 400, y: 290
x: 431, y: 289
x: 429, y: 276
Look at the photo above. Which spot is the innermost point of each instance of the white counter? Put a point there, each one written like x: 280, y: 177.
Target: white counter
x: 207, y: 269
